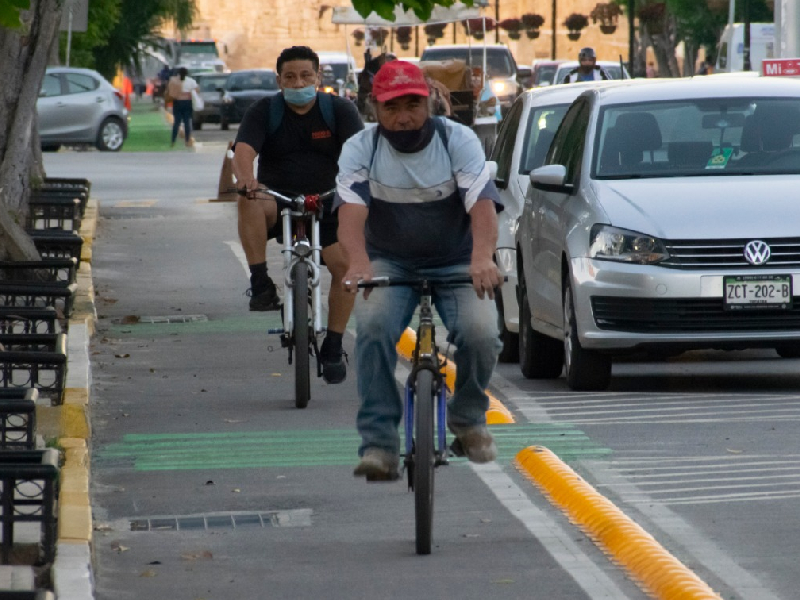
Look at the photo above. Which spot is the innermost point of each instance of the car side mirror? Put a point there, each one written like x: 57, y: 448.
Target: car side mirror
x: 551, y: 178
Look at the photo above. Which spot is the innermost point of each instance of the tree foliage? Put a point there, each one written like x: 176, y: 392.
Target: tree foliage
x: 385, y: 8
x: 9, y: 12
x: 103, y: 18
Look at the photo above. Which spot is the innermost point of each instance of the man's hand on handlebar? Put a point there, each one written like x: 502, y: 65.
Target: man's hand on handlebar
x: 252, y: 190
x: 355, y: 273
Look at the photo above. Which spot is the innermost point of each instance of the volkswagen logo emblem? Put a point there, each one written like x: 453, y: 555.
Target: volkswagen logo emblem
x: 756, y: 252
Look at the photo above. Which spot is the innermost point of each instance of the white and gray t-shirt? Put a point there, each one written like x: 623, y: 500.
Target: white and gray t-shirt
x: 418, y: 202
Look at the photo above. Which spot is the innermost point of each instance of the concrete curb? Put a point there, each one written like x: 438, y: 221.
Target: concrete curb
x: 72, y: 569
x: 658, y: 572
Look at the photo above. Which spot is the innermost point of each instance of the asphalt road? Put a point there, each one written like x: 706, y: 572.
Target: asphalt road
x: 192, y: 415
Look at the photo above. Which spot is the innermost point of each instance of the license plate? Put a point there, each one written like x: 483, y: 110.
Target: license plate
x: 749, y: 292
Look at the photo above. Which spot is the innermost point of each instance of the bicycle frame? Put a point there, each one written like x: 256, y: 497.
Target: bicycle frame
x: 298, y: 248
x: 426, y: 356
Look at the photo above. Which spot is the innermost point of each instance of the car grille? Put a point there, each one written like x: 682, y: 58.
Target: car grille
x: 705, y: 254
x: 687, y: 315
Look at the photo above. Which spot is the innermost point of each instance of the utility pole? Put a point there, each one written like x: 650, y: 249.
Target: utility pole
x: 496, y: 21
x: 631, y: 35
x: 746, y: 9
x: 553, y: 41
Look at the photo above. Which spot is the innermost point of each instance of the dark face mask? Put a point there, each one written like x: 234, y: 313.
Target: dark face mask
x: 411, y: 140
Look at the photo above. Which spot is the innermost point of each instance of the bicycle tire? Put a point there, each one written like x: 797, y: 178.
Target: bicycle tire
x: 424, y: 459
x: 302, y: 380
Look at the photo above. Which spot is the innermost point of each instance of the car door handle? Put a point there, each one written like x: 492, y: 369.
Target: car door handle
x: 98, y: 99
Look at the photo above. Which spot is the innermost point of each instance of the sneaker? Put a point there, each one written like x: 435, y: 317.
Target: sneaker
x: 334, y: 369
x: 266, y: 300
x: 377, y: 464
x: 476, y: 442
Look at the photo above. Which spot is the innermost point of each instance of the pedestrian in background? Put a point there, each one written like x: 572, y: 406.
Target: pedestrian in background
x: 180, y: 89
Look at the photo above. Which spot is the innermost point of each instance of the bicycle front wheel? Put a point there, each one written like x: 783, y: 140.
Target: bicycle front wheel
x: 424, y: 459
x: 302, y: 383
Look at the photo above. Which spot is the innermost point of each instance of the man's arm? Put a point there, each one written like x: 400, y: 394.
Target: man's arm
x: 243, y: 167
x: 485, y: 274
x: 352, y: 219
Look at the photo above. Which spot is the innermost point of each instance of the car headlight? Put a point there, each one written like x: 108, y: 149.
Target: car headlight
x: 500, y: 87
x: 611, y: 243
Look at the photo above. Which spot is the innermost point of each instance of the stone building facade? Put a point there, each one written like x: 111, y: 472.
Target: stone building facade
x: 254, y: 31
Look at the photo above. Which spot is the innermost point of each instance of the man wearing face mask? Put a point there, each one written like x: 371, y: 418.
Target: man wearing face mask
x: 297, y: 155
x: 415, y: 199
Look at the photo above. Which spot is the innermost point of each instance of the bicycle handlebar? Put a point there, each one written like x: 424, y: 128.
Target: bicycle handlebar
x: 302, y: 202
x: 415, y: 281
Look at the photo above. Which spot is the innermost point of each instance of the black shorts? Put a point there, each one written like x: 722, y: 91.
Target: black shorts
x: 328, y: 226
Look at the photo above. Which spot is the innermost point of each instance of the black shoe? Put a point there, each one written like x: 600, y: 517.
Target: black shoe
x: 267, y: 299
x: 334, y: 369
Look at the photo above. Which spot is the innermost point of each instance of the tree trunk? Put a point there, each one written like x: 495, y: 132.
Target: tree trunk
x: 23, y: 60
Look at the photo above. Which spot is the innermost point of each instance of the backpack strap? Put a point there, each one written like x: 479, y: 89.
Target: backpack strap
x: 277, y: 107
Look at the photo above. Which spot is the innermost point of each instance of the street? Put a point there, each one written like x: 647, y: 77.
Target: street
x: 192, y: 416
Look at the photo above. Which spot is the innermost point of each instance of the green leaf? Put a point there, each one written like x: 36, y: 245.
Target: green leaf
x: 9, y: 12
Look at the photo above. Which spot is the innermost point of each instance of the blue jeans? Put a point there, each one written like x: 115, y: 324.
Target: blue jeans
x: 380, y: 322
x: 182, y: 113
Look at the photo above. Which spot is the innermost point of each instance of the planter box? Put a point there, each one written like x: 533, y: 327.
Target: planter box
x: 44, y: 371
x: 18, y: 419
x: 54, y: 212
x: 58, y: 295
x: 29, y: 320
x: 29, y: 481
x: 61, y: 270
x: 57, y: 244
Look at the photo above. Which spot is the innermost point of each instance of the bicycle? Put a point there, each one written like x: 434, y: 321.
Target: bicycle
x: 425, y: 420
x: 300, y: 285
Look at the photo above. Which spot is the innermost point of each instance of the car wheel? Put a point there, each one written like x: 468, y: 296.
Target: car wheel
x: 788, y: 350
x: 224, y: 125
x: 51, y: 147
x: 540, y: 356
x: 509, y: 353
x: 586, y: 370
x: 111, y: 136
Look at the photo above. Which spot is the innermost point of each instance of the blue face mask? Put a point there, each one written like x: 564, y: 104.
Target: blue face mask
x: 300, y: 96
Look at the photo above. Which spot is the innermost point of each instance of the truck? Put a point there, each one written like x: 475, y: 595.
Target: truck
x: 730, y: 55
x: 197, y: 55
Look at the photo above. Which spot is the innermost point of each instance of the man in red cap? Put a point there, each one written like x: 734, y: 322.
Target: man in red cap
x: 415, y: 199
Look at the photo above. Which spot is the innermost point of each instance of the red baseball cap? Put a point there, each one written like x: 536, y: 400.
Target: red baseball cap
x: 398, y: 78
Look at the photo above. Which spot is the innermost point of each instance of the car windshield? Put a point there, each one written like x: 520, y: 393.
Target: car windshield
x: 542, y: 125
x: 545, y: 74
x: 498, y: 63
x: 339, y: 70
x: 210, y: 84
x: 252, y: 81
x: 705, y: 137
x: 614, y: 71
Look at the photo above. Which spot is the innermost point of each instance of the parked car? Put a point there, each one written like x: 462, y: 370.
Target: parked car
x: 614, y: 69
x: 663, y: 220
x: 78, y: 106
x: 501, y: 68
x: 211, y: 88
x: 243, y: 89
x: 522, y: 143
x: 544, y: 72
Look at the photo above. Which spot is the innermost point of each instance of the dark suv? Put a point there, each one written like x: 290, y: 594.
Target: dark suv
x: 501, y: 68
x: 243, y: 89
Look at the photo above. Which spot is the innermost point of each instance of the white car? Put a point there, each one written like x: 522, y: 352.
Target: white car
x: 522, y: 143
x: 615, y: 70
x: 664, y: 219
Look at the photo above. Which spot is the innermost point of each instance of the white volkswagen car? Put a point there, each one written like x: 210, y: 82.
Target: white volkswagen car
x: 664, y: 219
x: 522, y: 143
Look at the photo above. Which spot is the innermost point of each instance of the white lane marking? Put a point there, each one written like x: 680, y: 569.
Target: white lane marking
x: 704, y: 551
x: 557, y: 540
x: 238, y: 252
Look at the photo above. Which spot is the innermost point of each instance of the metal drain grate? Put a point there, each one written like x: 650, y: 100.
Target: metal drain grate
x: 277, y: 518
x: 133, y: 320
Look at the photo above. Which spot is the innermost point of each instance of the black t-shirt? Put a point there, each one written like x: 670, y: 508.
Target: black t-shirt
x: 302, y: 156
